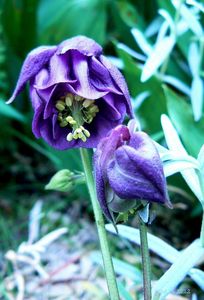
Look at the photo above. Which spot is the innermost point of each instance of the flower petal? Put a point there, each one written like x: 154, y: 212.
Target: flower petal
x: 82, y: 44
x: 100, y: 77
x: 104, y: 151
x: 119, y: 81
x: 83, y: 87
x: 137, y: 173
x: 58, y: 72
x: 33, y: 63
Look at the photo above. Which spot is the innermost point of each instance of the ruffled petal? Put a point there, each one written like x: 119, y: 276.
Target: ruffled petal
x: 83, y: 87
x: 58, y: 71
x: 33, y: 63
x: 82, y: 44
x: 100, y: 77
x: 119, y: 81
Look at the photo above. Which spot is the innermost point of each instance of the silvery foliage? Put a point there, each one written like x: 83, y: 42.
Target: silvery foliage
x: 28, y: 257
x: 155, y: 57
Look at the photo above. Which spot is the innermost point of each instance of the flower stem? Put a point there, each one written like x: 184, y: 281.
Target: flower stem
x: 107, y: 260
x: 145, y: 260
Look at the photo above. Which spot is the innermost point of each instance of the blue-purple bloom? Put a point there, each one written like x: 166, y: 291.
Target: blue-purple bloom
x: 128, y: 168
x: 77, y: 95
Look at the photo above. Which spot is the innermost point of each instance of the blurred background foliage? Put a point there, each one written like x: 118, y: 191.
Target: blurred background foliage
x: 161, y: 42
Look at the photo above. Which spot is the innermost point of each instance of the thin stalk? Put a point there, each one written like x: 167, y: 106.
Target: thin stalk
x: 145, y: 260
x: 107, y: 260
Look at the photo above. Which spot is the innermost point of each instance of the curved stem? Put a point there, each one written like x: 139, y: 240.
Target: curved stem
x: 145, y: 260
x: 107, y: 260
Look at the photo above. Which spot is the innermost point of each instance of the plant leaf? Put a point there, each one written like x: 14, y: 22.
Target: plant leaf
x: 155, y: 244
x: 177, y: 272
x: 174, y: 144
x: 197, y: 97
x: 161, y: 51
x: 10, y: 112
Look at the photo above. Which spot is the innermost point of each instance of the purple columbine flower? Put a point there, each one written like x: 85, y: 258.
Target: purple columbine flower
x: 76, y: 93
x: 128, y: 168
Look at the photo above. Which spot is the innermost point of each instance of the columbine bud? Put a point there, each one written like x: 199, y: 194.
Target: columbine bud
x: 128, y: 168
x: 63, y: 181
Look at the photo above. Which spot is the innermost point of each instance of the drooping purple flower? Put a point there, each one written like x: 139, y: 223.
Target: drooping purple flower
x: 76, y: 93
x: 128, y: 168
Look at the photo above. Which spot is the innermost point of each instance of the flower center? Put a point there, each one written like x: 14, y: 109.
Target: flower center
x: 73, y: 112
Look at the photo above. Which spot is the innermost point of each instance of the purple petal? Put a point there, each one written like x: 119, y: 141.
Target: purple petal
x: 38, y: 106
x: 104, y: 151
x: 100, y: 77
x: 101, y: 186
x: 137, y: 173
x: 113, y: 107
x: 119, y: 81
x: 83, y: 87
x: 82, y: 44
x: 33, y: 63
x: 58, y: 72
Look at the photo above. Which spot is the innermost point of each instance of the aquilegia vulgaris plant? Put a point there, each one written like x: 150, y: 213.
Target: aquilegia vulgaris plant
x: 79, y: 99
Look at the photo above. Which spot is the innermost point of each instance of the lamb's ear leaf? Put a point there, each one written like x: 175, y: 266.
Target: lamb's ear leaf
x: 34, y: 61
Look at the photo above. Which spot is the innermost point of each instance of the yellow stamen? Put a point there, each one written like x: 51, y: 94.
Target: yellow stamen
x: 69, y: 101
x: 87, y: 133
x: 78, y: 130
x: 75, y: 135
x: 63, y: 123
x: 73, y: 122
x: 78, y: 98
x: 73, y: 112
x: 93, y: 109
x: 83, y: 138
x: 60, y: 106
x: 87, y: 103
x: 69, y: 118
x: 69, y: 137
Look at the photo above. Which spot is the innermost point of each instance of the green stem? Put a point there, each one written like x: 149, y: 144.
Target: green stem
x: 107, y: 260
x: 145, y: 261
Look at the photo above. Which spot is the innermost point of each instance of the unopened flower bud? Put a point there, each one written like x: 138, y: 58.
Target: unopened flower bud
x: 62, y: 181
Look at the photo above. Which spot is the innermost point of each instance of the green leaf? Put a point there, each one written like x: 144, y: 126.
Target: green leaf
x: 123, y: 292
x: 177, y: 272
x: 157, y: 57
x: 70, y: 18
x: 121, y: 267
x: 19, y: 20
x: 130, y: 15
x: 156, y: 100
x: 182, y: 117
x: 156, y: 245
x: 36, y: 146
x: 174, y: 143
x: 10, y: 112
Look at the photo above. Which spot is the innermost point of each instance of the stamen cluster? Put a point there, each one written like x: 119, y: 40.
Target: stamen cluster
x: 74, y: 111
